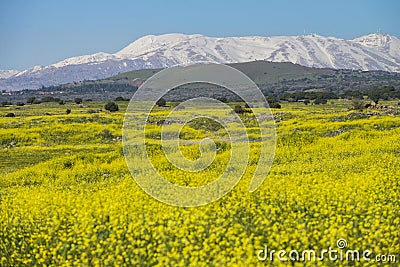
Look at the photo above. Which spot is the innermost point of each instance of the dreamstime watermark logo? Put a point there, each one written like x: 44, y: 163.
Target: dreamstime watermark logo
x: 140, y: 109
x: 340, y: 253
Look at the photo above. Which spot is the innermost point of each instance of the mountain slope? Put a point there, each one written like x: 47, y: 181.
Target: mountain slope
x: 371, y: 52
x: 4, y: 74
x: 308, y: 50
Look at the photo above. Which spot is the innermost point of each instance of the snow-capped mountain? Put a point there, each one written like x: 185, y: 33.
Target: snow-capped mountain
x: 384, y: 43
x: 4, y: 74
x: 370, y: 52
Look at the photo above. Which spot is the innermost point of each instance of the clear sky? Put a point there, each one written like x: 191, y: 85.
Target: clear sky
x: 43, y: 32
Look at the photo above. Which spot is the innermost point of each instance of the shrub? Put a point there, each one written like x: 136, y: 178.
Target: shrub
x: 275, y: 105
x: 111, y: 106
x: 205, y: 124
x: 9, y: 115
x: 78, y: 100
x: 240, y: 110
x: 357, y: 104
x: 320, y: 101
x: 20, y: 104
x: 306, y: 102
x: 106, y: 134
x: 68, y: 111
x: 161, y: 102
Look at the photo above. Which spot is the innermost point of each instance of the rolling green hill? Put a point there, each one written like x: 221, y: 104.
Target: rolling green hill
x: 262, y: 72
x: 136, y: 74
x: 274, y: 77
x: 259, y: 71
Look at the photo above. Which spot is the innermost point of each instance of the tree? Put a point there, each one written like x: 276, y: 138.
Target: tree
x: 6, y: 103
x: 111, y: 106
x: 78, y: 100
x: 119, y: 98
x: 223, y: 99
x: 161, y: 102
x: 375, y: 97
x: 271, y: 98
x: 50, y: 99
x: 31, y: 100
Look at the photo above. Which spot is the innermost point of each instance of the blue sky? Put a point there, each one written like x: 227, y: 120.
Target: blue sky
x: 43, y: 32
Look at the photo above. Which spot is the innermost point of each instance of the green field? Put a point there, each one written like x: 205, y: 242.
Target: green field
x: 67, y: 197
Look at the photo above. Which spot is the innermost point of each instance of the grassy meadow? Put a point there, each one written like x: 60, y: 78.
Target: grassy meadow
x: 67, y: 197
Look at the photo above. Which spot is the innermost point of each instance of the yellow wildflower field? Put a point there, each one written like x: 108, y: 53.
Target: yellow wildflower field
x: 67, y: 197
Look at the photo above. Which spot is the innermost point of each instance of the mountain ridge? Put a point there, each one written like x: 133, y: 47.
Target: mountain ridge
x: 4, y: 74
x: 369, y: 52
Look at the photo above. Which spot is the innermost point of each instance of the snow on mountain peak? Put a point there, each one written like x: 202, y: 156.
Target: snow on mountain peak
x: 374, y: 40
x: 150, y: 42
x: 370, y: 52
x: 382, y: 42
x: 310, y: 50
x: 94, y: 58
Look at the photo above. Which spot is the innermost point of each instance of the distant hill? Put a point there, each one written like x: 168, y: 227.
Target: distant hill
x: 265, y: 72
x: 277, y: 78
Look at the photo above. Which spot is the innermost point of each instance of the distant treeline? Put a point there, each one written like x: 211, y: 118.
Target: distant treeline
x: 383, y: 93
x: 85, y: 88
x: 319, y: 97
x: 95, y: 91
